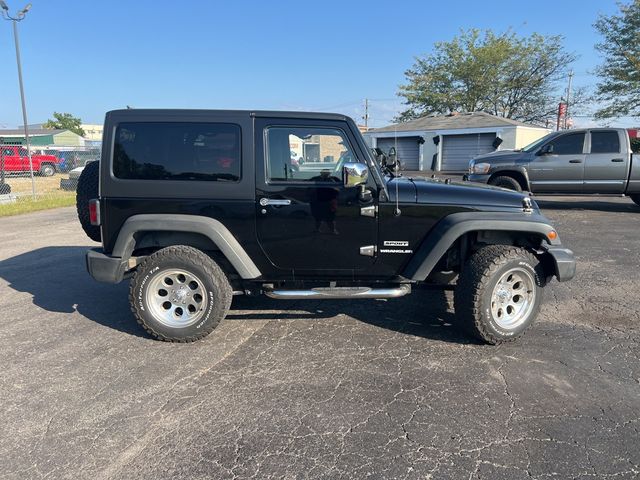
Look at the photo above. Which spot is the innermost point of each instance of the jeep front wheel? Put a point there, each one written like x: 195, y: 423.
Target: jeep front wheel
x: 499, y: 293
x: 179, y: 294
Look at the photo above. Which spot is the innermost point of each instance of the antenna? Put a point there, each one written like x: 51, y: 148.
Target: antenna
x: 395, y: 169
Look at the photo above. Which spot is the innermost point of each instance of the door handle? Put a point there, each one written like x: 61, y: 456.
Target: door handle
x: 618, y: 160
x: 575, y: 161
x: 274, y: 201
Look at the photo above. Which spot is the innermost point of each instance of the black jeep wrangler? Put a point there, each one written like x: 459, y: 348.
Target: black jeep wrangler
x: 199, y: 205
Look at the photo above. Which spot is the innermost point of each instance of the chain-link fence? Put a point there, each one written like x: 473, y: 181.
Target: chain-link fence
x: 56, y: 169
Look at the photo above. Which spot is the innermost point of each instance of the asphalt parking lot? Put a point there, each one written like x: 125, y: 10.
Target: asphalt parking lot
x: 386, y: 389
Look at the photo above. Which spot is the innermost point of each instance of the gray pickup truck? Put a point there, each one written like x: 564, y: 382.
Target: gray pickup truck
x: 585, y: 161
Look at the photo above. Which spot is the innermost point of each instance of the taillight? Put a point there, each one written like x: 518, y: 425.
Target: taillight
x: 94, y: 211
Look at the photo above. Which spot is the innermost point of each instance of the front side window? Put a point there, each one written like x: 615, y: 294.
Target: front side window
x: 177, y: 151
x: 570, y: 144
x: 605, y: 142
x: 306, y: 154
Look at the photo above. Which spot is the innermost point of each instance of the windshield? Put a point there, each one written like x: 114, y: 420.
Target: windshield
x: 533, y: 146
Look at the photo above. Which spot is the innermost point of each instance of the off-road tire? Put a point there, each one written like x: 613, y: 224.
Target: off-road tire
x: 506, y: 182
x: 87, y: 190
x: 214, y: 282
x: 47, y: 170
x: 476, y: 283
x: 636, y: 199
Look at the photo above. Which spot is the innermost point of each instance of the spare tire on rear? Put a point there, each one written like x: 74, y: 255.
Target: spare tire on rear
x: 88, y: 190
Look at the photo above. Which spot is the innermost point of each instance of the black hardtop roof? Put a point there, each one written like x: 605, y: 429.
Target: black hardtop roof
x: 252, y: 113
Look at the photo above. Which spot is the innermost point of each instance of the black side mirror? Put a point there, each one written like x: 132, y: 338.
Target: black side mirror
x: 392, y: 155
x: 546, y: 150
x: 378, y: 154
x: 392, y: 159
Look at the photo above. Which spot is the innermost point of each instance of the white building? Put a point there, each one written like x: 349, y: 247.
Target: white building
x: 92, y: 131
x: 446, y: 143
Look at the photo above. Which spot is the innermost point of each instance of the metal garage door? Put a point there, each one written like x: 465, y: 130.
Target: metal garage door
x: 407, y: 148
x: 457, y: 150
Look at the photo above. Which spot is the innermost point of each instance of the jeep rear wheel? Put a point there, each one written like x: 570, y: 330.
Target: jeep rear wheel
x: 499, y: 293
x: 636, y: 199
x: 179, y: 294
x: 86, y: 190
x: 506, y: 182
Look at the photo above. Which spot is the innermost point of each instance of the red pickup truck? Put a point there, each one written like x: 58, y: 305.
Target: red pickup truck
x: 13, y: 159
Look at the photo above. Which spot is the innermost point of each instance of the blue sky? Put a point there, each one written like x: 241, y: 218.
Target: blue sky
x: 88, y: 57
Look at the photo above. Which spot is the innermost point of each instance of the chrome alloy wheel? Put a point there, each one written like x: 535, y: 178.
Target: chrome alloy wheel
x: 176, y: 298
x: 513, y: 298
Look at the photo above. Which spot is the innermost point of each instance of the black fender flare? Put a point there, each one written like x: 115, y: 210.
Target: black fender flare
x: 209, y: 227
x: 505, y: 169
x: 452, y: 227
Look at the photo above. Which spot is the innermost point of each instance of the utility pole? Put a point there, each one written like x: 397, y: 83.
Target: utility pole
x: 20, y: 16
x: 366, y: 114
x: 566, y: 115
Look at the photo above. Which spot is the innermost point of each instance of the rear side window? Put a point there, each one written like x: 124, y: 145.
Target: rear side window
x: 569, y: 144
x: 605, y: 142
x: 177, y: 151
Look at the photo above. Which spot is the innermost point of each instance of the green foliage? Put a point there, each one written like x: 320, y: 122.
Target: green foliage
x: 619, y: 86
x: 502, y: 74
x: 65, y: 121
x: 635, y: 145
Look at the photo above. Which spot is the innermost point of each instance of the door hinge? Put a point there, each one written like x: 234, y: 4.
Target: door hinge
x: 369, y: 211
x: 368, y: 250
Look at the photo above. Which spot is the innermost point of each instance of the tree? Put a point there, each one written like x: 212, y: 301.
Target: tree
x: 65, y: 121
x: 619, y: 86
x: 502, y: 74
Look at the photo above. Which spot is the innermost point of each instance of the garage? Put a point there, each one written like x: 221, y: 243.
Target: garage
x: 407, y: 148
x: 457, y: 150
x: 451, y: 140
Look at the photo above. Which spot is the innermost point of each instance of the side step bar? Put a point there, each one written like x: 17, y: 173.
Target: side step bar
x: 328, y: 293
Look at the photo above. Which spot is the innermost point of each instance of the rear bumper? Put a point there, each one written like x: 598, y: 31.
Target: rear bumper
x: 104, y: 268
x: 564, y: 262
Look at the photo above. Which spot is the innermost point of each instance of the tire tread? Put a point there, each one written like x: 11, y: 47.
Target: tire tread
x: 86, y: 190
x: 477, y: 272
x: 513, y: 183
x: 224, y: 293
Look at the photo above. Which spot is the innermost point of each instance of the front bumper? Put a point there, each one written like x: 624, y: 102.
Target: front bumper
x: 564, y: 262
x: 105, y: 268
x: 477, y: 177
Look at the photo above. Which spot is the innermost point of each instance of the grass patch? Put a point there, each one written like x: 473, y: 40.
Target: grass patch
x: 44, y: 185
x: 27, y: 204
